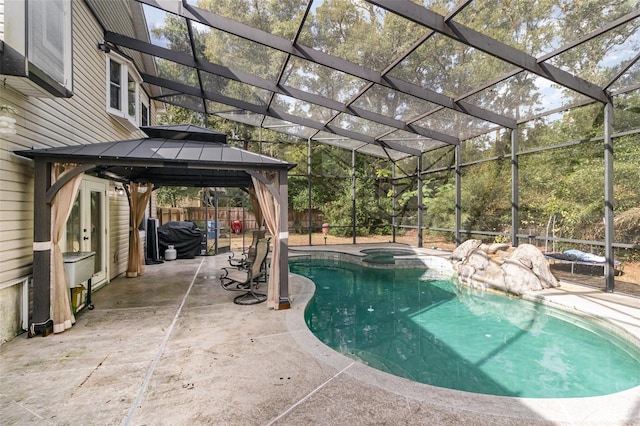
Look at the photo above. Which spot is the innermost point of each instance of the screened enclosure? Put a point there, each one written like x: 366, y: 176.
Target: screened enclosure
x: 425, y: 122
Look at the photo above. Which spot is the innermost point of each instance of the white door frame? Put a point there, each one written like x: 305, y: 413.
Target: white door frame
x: 98, y: 187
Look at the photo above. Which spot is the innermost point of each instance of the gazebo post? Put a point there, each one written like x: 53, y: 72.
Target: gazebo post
x: 41, y: 321
x: 284, y: 302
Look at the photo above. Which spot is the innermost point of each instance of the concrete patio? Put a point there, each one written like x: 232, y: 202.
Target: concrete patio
x: 171, y: 348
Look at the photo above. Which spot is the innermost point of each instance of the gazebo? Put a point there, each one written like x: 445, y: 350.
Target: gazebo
x: 178, y: 155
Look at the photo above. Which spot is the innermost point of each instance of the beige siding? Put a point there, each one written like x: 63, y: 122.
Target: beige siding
x: 118, y: 233
x: 16, y: 216
x: 1, y: 20
x: 52, y: 122
x: 124, y: 18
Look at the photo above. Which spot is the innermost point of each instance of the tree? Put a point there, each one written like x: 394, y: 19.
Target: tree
x: 174, y: 196
x: 566, y: 181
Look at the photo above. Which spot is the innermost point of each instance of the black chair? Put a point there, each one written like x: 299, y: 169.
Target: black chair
x: 247, y: 278
x: 250, y: 255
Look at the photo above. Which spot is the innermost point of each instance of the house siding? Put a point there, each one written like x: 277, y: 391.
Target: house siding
x: 55, y: 122
x: 1, y: 20
x: 118, y: 233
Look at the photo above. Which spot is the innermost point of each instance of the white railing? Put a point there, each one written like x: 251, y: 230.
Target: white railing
x: 24, y: 298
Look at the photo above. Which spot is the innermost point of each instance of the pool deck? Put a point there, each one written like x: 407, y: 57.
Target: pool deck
x: 171, y: 348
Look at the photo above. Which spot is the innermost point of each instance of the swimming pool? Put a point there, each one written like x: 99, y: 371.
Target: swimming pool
x: 434, y: 332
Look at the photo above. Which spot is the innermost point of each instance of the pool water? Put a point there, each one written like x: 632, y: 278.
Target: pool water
x: 443, y: 334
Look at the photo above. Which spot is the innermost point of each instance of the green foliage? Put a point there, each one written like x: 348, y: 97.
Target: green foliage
x: 567, y: 182
x: 174, y: 196
x: 333, y: 196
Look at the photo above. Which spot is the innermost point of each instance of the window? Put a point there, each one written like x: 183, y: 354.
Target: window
x: 114, y: 84
x: 40, y: 36
x: 144, y: 114
x: 123, y: 91
x: 132, y: 96
x: 46, y: 44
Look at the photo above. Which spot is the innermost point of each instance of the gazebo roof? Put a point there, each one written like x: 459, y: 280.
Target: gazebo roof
x: 184, y: 131
x: 183, y: 155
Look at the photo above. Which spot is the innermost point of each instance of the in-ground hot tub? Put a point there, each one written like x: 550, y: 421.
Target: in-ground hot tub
x: 385, y: 256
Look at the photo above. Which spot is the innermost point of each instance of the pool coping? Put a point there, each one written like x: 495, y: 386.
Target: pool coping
x: 616, y: 313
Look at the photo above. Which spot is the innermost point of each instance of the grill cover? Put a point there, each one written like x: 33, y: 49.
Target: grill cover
x: 185, y: 237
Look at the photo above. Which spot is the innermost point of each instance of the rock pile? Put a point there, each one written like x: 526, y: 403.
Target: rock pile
x: 516, y: 270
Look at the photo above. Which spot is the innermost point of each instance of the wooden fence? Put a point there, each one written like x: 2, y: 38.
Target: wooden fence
x: 298, y: 222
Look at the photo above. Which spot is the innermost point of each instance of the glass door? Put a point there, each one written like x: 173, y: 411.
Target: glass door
x: 95, y: 229
x: 87, y: 226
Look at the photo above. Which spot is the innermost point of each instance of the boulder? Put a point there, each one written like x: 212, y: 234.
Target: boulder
x: 463, y: 250
x: 515, y: 270
x: 496, y: 247
x: 478, y: 259
x: 539, y: 264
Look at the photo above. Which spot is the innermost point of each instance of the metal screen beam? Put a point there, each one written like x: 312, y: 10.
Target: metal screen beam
x: 353, y: 195
x: 398, y: 124
x: 278, y: 43
x: 309, y: 188
x: 593, y: 34
x: 622, y: 71
x: 420, y: 15
x: 242, y: 77
x: 447, y: 102
x: 262, y: 110
x: 420, y: 202
x: 458, y: 215
x: 515, y: 191
x: 609, y: 270
x: 620, y: 21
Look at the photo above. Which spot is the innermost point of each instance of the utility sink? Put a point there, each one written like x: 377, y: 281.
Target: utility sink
x: 79, y: 266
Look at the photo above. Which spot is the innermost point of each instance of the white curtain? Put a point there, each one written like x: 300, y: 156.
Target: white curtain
x: 139, y: 195
x: 61, y: 205
x: 270, y: 209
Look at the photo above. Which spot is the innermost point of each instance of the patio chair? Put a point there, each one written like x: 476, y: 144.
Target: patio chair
x: 248, y: 278
x: 250, y: 255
